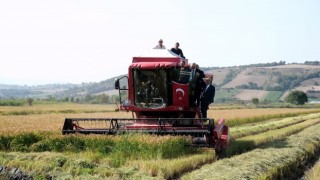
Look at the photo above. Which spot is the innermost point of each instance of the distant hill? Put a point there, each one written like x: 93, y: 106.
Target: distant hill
x: 39, y: 91
x: 268, y: 82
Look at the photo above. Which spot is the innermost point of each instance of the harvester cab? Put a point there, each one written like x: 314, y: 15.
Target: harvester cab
x: 160, y: 102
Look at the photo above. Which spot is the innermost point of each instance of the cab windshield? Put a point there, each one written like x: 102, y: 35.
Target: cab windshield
x: 150, y: 88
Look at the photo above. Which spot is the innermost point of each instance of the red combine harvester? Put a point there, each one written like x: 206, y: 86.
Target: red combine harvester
x: 159, y: 105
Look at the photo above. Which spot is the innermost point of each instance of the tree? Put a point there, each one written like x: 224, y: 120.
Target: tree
x: 255, y: 100
x: 104, y: 98
x: 30, y: 101
x: 88, y: 98
x: 297, y: 97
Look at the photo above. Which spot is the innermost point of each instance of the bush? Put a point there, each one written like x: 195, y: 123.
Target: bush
x: 22, y: 142
x: 5, y: 142
x: 255, y: 100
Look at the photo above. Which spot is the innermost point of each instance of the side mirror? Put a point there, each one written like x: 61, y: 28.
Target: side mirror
x: 116, y: 84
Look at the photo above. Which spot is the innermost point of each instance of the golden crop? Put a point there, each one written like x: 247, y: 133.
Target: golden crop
x: 230, y: 114
x: 51, y: 117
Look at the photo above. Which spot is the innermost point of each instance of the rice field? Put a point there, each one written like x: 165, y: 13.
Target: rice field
x: 50, y: 118
x: 269, y: 143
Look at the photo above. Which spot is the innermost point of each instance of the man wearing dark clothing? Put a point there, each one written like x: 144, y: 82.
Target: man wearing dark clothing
x: 208, y: 97
x: 177, y: 50
x: 184, y: 73
x: 196, y: 77
x: 200, y: 86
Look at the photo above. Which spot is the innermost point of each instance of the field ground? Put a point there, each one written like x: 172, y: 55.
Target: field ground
x: 268, y: 143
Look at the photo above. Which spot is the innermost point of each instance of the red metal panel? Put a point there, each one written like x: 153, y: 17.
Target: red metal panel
x: 131, y: 88
x: 152, y: 65
x: 164, y: 109
x: 156, y: 59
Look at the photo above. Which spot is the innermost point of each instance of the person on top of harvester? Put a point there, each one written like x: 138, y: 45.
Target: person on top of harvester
x: 160, y: 45
x: 177, y: 50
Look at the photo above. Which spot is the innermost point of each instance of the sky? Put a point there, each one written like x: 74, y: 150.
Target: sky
x: 75, y: 41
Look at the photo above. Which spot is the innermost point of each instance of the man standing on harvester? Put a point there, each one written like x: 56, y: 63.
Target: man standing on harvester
x: 208, y: 97
x: 160, y: 45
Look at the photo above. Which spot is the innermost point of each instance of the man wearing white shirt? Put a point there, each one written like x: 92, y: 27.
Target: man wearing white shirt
x: 160, y: 45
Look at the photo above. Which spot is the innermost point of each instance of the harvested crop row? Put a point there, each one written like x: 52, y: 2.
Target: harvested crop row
x: 240, y: 119
x: 92, y: 165
x: 314, y: 172
x: 171, y: 168
x: 250, y: 142
x: 250, y: 129
x: 276, y: 160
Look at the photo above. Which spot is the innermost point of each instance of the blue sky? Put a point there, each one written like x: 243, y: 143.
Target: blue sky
x: 63, y: 41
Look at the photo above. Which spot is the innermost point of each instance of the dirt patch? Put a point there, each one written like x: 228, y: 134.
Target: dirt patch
x: 311, y: 82
x: 249, y: 75
x: 219, y: 75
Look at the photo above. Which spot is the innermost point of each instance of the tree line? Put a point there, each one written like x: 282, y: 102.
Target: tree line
x: 89, y: 98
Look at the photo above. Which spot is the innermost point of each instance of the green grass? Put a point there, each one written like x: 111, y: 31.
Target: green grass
x: 225, y: 94
x: 273, y: 96
x: 281, y: 159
